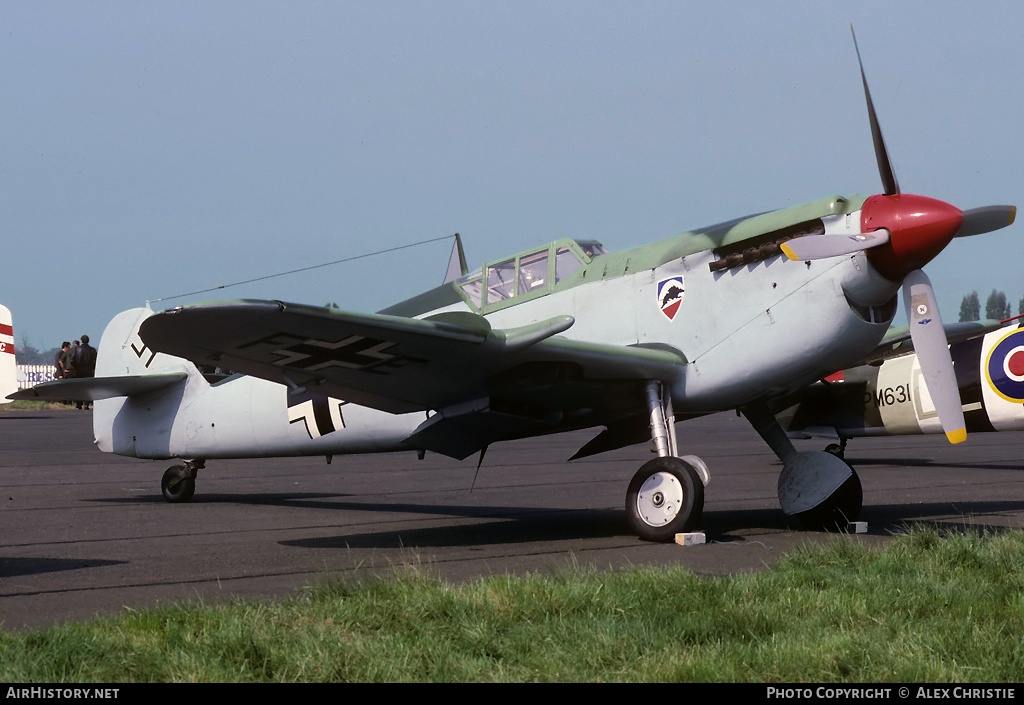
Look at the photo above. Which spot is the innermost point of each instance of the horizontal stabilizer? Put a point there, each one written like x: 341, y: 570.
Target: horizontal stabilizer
x: 93, y: 388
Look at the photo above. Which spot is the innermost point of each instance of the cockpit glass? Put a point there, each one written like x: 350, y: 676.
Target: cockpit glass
x: 474, y: 290
x: 501, y: 281
x: 533, y: 271
x: 565, y: 263
x: 526, y: 274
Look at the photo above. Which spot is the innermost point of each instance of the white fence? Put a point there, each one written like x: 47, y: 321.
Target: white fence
x: 31, y: 375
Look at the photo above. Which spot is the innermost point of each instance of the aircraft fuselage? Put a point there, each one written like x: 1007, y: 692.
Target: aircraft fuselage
x: 749, y: 323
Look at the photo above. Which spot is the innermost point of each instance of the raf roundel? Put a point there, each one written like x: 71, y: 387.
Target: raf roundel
x: 670, y: 296
x: 1004, y: 368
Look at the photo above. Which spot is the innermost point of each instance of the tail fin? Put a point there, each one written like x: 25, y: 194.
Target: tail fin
x: 155, y: 385
x: 8, y: 366
x: 122, y: 351
x: 125, y: 368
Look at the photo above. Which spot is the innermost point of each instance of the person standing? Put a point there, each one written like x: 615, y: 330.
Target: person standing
x: 85, y: 359
x: 84, y: 362
x: 59, y: 371
x: 67, y: 360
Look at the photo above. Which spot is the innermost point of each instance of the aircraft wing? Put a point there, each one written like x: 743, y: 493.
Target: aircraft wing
x: 897, y: 341
x: 890, y: 397
x: 401, y: 364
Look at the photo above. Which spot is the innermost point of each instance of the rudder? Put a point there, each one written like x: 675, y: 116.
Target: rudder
x: 8, y: 365
x: 122, y: 352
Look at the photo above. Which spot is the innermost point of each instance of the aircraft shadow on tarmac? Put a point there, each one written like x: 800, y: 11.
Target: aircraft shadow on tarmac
x: 920, y: 463
x: 525, y: 527
x: 594, y: 524
x: 549, y: 525
x: 11, y: 567
x: 929, y: 463
x: 498, y: 524
x: 975, y: 510
x: 519, y: 525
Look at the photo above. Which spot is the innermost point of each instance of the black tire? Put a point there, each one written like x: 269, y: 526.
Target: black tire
x: 665, y: 497
x: 178, y: 485
x: 835, y: 513
x: 835, y: 449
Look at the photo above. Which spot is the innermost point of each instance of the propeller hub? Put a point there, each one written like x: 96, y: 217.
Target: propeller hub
x: 920, y: 228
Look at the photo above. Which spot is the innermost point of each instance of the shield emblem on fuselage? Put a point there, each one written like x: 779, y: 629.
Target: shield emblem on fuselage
x: 670, y: 296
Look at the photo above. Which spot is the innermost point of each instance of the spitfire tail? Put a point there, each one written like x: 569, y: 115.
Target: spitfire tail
x: 8, y: 366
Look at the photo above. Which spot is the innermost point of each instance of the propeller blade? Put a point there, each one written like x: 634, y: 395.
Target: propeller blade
x: 985, y: 220
x: 885, y: 169
x: 933, y: 354
x: 810, y: 247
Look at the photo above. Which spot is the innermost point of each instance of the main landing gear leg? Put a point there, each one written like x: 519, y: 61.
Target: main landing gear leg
x: 819, y: 489
x: 179, y: 481
x: 666, y: 495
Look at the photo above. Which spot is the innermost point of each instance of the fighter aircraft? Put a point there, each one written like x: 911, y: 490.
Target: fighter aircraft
x: 889, y: 397
x: 559, y: 337
x: 8, y: 365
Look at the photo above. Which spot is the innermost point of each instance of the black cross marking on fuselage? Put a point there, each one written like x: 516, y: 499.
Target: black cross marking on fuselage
x: 321, y: 417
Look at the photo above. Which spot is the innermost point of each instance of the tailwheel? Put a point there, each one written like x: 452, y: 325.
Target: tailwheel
x: 837, y: 449
x: 665, y: 497
x: 178, y: 483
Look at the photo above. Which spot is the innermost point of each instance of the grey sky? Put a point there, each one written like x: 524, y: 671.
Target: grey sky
x: 149, y: 149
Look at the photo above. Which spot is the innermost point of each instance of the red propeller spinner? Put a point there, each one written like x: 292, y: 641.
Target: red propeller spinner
x: 919, y: 228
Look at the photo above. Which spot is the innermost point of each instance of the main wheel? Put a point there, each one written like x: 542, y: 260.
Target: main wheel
x: 820, y: 490
x: 665, y: 497
x: 838, y: 510
x: 177, y: 484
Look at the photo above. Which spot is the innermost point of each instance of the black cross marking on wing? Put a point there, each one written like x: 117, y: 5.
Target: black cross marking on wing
x: 355, y: 352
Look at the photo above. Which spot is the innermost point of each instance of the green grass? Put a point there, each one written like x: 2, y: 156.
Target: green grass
x: 925, y: 608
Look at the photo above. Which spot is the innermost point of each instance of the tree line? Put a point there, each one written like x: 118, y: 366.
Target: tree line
x: 26, y: 354
x: 996, y: 308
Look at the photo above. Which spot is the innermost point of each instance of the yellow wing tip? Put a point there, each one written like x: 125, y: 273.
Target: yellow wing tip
x: 958, y: 436
x: 789, y: 252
